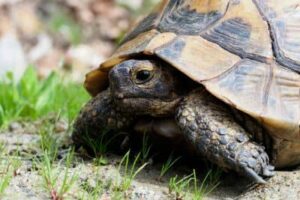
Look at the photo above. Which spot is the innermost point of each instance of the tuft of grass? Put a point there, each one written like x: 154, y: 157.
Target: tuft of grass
x: 130, y: 171
x: 100, y: 161
x: 93, y: 192
x: 32, y: 98
x: 100, y: 145
x: 206, y: 186
x: 180, y: 186
x: 48, y: 142
x: 8, y: 168
x: 189, y: 186
x: 56, y: 177
x: 51, y: 174
x: 68, y: 181
x: 4, y: 182
x: 168, y: 165
x: 145, y: 150
x: 116, y: 188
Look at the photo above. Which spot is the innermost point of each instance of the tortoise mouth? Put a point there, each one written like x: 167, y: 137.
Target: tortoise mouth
x: 146, y: 106
x: 127, y: 100
x: 119, y: 97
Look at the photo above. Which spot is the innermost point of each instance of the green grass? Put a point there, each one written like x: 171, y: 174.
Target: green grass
x: 57, y: 180
x: 33, y: 98
x: 120, y: 187
x: 179, y: 186
x: 93, y: 193
x: 130, y: 170
x: 8, y: 166
x: 168, y: 165
x: 206, y: 186
x: 7, y: 172
x: 100, y: 145
x: 56, y: 177
x: 145, y: 150
x: 191, y: 187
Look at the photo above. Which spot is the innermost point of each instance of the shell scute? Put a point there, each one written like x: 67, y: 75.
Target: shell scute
x: 227, y: 46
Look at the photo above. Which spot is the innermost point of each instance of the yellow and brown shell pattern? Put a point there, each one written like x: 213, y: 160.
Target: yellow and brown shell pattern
x: 245, y: 52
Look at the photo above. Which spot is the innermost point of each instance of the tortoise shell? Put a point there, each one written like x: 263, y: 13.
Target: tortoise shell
x: 245, y: 52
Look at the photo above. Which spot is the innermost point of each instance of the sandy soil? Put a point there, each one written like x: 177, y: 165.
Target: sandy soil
x: 27, y: 182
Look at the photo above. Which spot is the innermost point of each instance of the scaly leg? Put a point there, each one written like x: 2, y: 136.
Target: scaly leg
x: 207, y: 123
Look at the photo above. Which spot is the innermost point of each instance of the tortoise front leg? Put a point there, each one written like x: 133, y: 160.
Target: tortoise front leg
x: 207, y: 123
x: 98, y: 117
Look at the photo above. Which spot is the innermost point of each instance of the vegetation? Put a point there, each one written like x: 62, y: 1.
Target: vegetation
x: 8, y: 168
x: 167, y: 165
x: 188, y: 187
x: 130, y: 171
x: 146, y: 148
x: 50, y: 174
x: 32, y: 98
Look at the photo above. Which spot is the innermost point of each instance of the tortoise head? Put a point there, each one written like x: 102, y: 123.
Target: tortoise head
x: 146, y: 87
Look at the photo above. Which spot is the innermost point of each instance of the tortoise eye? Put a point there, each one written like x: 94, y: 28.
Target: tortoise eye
x: 143, y: 76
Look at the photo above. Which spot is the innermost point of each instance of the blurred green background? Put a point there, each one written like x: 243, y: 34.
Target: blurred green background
x: 46, y: 48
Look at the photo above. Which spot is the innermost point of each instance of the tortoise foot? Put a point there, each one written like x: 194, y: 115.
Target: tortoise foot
x: 208, y: 125
x: 254, y: 163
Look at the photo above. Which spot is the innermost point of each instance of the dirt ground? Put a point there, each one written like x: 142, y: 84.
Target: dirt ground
x: 27, y: 181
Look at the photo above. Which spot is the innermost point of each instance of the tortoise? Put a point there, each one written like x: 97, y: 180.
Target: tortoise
x: 226, y: 71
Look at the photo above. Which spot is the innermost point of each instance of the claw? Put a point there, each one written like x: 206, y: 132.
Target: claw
x: 271, y: 167
x: 269, y: 171
x: 254, y: 176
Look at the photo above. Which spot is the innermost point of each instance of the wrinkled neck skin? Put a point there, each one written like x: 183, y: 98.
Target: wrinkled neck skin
x: 157, y: 97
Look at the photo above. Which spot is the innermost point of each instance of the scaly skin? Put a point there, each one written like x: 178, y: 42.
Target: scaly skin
x: 208, y: 124
x: 139, y: 88
x: 99, y: 115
